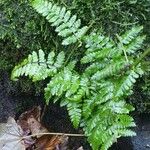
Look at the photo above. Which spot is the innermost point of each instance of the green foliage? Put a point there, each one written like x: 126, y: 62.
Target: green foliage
x: 95, y: 97
x: 67, y: 26
x: 112, y: 16
x: 22, y: 30
x: 37, y: 67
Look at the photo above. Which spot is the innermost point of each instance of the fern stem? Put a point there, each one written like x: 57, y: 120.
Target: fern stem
x: 146, y: 52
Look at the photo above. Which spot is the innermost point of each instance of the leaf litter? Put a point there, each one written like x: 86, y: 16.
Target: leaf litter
x: 28, y: 133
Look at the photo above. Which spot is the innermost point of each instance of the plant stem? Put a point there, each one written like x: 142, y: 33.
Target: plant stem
x: 126, y: 24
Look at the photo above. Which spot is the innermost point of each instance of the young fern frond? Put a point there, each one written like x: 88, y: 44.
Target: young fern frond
x: 67, y: 26
x: 38, y: 67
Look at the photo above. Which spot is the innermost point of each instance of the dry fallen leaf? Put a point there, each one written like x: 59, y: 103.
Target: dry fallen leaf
x: 35, y: 126
x: 30, y: 124
x: 47, y: 142
x: 11, y: 136
x: 35, y: 113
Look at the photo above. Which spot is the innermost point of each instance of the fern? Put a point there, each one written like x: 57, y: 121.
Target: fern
x: 72, y: 87
x: 66, y: 25
x: 37, y: 67
x: 130, y: 35
x: 95, y: 97
x: 112, y: 77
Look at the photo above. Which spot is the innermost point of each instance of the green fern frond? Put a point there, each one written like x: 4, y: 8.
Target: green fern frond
x: 59, y: 84
x: 72, y: 88
x: 106, y: 126
x: 95, y: 97
x: 134, y: 45
x: 63, y: 81
x: 38, y: 67
x: 74, y: 110
x: 109, y: 70
x: 66, y: 25
x: 126, y: 83
x: 131, y: 34
x: 98, y: 48
x: 111, y: 118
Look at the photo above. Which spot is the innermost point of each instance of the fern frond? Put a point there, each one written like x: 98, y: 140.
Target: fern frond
x: 72, y: 88
x: 74, y: 110
x: 107, y: 61
x: 38, y: 67
x: 131, y: 34
x: 67, y: 26
x: 98, y: 48
x: 134, y: 45
x: 63, y: 81
x: 109, y: 70
x: 106, y: 126
x: 95, y: 97
x: 126, y: 83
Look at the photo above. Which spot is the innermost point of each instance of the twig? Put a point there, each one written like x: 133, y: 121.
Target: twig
x: 49, y: 133
x: 125, y: 24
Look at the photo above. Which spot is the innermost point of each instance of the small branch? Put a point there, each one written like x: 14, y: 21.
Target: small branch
x: 125, y: 24
x: 67, y: 134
